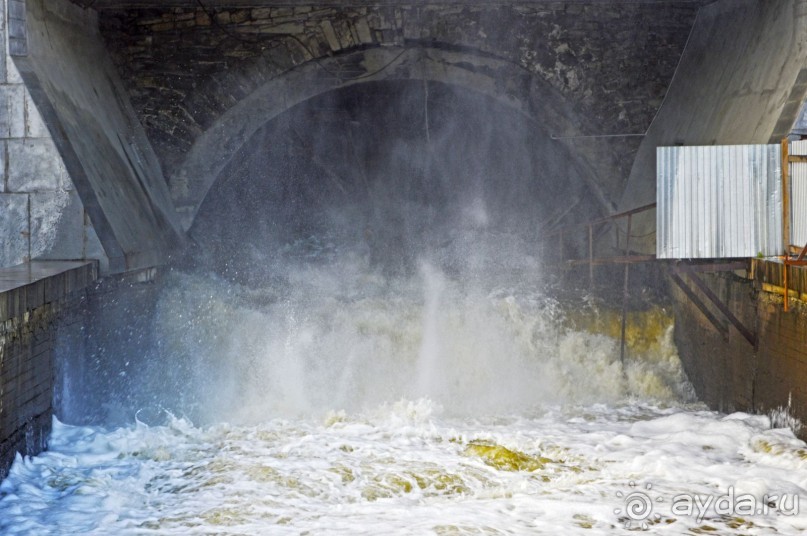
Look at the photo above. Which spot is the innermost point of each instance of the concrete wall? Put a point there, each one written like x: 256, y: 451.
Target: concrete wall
x: 29, y: 313
x: 742, y: 79
x: 59, y: 53
x: 41, y: 215
x: 732, y: 375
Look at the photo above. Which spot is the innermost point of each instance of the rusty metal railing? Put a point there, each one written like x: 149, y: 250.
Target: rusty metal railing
x: 627, y: 259
x: 590, y: 226
x: 791, y: 251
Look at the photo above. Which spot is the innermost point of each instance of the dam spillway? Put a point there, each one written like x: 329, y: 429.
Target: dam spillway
x: 292, y: 269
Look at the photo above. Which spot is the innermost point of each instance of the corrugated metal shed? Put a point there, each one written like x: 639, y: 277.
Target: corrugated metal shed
x: 719, y: 201
x: 798, y: 195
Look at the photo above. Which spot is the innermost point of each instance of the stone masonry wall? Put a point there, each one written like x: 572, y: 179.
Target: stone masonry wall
x: 28, y: 318
x: 41, y: 216
x: 185, y: 66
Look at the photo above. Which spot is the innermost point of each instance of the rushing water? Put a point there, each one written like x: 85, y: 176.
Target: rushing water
x: 415, y: 405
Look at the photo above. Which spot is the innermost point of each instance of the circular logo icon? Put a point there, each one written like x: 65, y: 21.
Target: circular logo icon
x: 637, y: 507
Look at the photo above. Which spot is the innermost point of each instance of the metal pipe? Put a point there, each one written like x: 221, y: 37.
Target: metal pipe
x: 590, y: 255
x: 625, y: 294
x: 786, y: 195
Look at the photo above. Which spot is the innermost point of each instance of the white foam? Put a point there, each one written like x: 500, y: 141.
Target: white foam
x: 399, y: 468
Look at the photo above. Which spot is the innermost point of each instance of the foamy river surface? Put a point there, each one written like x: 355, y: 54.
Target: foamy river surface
x: 444, y: 411
x: 406, y: 469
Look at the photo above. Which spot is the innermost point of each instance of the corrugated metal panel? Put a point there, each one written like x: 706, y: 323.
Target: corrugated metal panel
x: 719, y: 201
x: 798, y: 195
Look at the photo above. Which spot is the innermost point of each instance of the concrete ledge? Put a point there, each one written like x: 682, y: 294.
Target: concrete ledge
x: 27, y: 286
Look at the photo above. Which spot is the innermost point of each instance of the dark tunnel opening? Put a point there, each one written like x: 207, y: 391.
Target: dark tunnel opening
x: 393, y: 172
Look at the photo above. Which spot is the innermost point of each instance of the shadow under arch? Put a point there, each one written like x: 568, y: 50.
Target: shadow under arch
x: 502, y: 80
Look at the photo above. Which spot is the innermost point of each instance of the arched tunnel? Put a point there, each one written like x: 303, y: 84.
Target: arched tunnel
x: 395, y: 171
x: 379, y: 267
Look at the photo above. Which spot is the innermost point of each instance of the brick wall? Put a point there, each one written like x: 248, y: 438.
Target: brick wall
x: 29, y: 315
x: 782, y: 355
x: 41, y: 216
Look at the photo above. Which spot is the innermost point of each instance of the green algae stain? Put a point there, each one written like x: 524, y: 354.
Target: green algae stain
x: 505, y: 459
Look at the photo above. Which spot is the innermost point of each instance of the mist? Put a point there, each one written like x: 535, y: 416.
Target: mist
x: 374, y: 244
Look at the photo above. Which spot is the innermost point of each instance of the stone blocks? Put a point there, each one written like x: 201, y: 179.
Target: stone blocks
x: 583, y: 49
x: 41, y: 215
x: 14, y: 248
x: 34, y: 166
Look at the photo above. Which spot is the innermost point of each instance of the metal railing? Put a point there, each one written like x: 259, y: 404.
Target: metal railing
x: 567, y: 230
x: 627, y: 259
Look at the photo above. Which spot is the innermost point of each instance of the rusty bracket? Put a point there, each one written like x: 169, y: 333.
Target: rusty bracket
x: 712, y: 297
x: 802, y: 254
x: 719, y: 326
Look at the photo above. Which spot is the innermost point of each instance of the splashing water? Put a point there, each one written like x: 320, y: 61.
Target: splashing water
x: 338, y: 400
x: 313, y: 344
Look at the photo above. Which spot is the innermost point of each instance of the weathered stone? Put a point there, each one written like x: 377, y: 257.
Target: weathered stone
x: 57, y: 225
x: 12, y: 111
x: 363, y: 31
x: 31, y: 303
x: 162, y: 26
x: 34, y: 126
x: 282, y: 12
x: 36, y: 166
x: 183, y: 24
x: 330, y: 35
x: 239, y: 16
x: 14, y: 225
x: 202, y: 19
x: 3, y: 56
x: 285, y: 29
x: 260, y: 13
x: 3, y: 157
x: 579, y: 54
x: 12, y: 74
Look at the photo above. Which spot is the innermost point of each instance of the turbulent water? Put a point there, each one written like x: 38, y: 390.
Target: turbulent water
x: 428, y: 404
x: 361, y: 343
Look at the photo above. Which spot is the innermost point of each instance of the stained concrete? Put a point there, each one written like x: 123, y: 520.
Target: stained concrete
x: 742, y: 79
x: 41, y: 215
x: 63, y: 61
x: 731, y: 374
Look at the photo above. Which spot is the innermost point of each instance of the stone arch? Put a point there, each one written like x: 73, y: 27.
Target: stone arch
x: 500, y: 79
